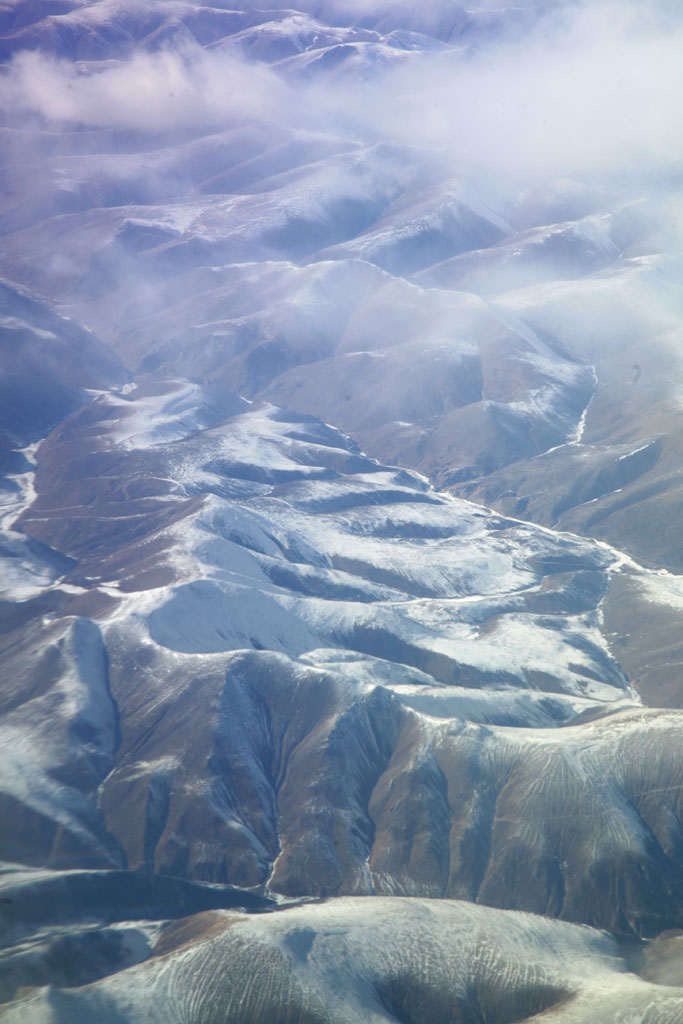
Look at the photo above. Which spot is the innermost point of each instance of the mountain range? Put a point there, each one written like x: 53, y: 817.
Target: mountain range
x: 340, y: 495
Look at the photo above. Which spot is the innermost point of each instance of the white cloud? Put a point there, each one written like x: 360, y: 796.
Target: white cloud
x: 595, y: 90
x: 150, y: 92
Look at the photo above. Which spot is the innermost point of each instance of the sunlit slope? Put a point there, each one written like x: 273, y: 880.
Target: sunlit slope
x: 340, y: 416
x: 370, y: 960
x: 403, y: 719
x: 454, y: 317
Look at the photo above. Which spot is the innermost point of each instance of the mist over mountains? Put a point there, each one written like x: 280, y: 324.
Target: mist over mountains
x: 340, y: 500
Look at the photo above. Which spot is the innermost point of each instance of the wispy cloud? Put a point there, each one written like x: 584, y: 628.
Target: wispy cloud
x: 595, y: 89
x: 150, y: 92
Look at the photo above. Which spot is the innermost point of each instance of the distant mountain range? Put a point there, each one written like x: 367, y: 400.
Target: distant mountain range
x: 341, y: 479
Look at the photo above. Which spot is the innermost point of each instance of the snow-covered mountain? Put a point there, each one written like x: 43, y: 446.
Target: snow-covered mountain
x: 340, y: 442
x: 354, y: 960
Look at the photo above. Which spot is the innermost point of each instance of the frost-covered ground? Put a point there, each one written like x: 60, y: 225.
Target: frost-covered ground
x: 272, y: 661
x: 372, y: 960
x: 340, y: 496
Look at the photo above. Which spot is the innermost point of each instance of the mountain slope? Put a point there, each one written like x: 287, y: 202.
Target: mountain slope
x: 339, y: 512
